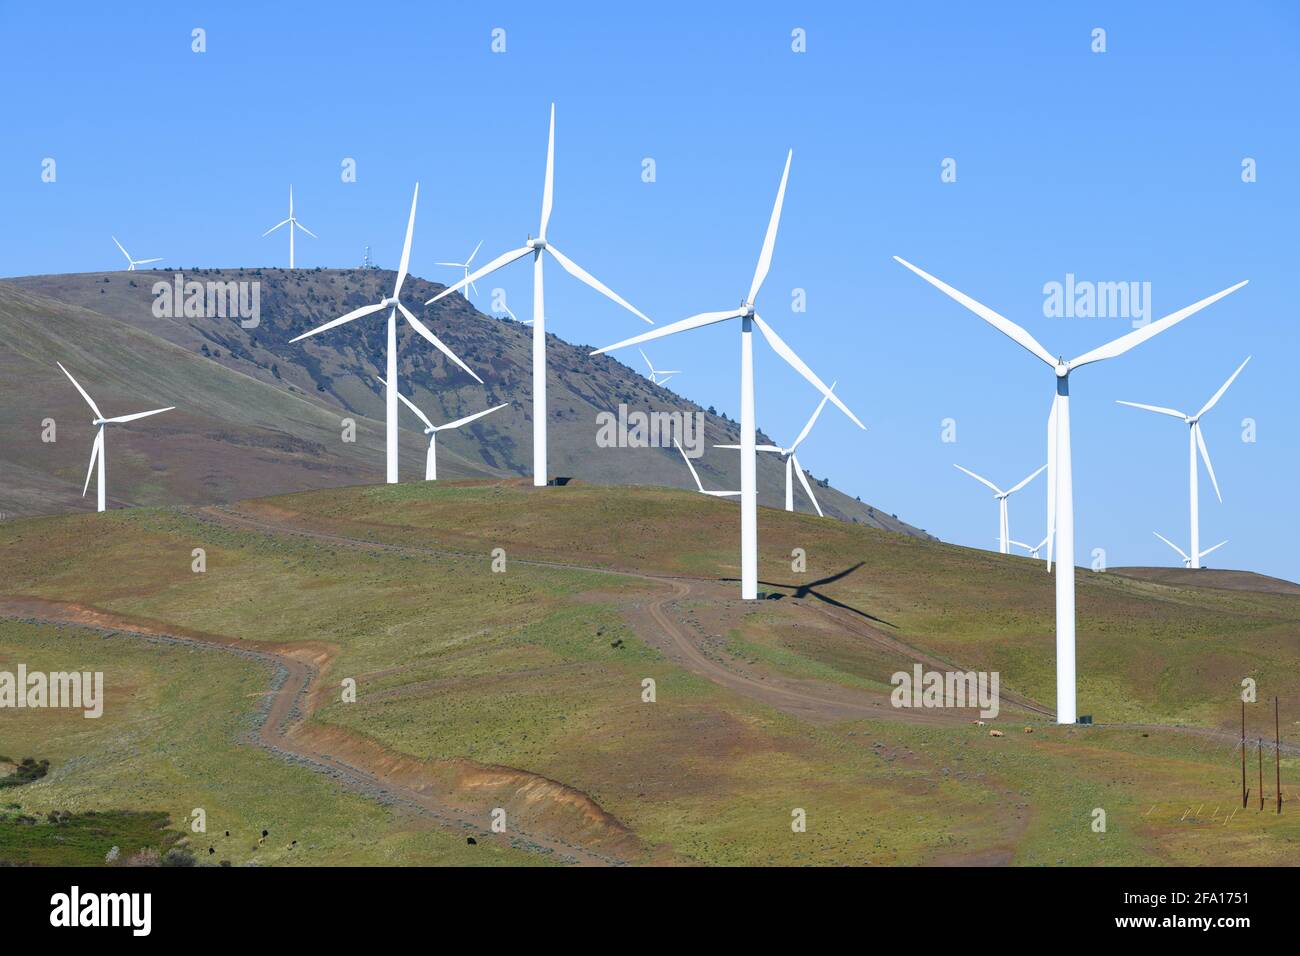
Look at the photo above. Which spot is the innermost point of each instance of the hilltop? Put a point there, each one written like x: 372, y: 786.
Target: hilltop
x: 258, y: 415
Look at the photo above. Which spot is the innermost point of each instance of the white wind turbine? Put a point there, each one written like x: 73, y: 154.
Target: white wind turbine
x: 792, y: 466
x: 658, y: 377
x: 292, y: 223
x: 465, y: 265
x: 536, y: 247
x: 1195, y: 442
x: 1187, y: 560
x: 696, y: 476
x: 748, y: 319
x: 516, y: 318
x: 394, y: 304
x: 1004, y: 529
x: 97, y: 450
x: 1031, y: 549
x: 132, y: 263
x: 1060, y: 488
x: 430, y: 429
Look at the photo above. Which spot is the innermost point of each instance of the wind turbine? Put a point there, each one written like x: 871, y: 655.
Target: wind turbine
x: 748, y: 319
x: 291, y: 222
x: 465, y: 265
x: 132, y: 263
x: 1032, y: 549
x: 537, y: 247
x: 1187, y: 559
x: 430, y: 429
x: 1060, y: 488
x: 1004, y: 529
x: 515, y: 317
x: 696, y: 476
x: 97, y: 450
x: 394, y: 304
x: 655, y: 374
x: 1195, y: 442
x: 792, y: 466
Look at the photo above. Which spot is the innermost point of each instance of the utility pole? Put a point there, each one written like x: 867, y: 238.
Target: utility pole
x: 1277, y: 754
x: 1244, y: 791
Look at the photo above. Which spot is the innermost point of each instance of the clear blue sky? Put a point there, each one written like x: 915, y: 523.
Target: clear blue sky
x: 1117, y: 166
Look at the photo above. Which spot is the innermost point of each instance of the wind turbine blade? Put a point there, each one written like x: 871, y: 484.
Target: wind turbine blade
x: 1215, y: 548
x: 1205, y: 456
x: 335, y: 323
x: 119, y: 245
x: 811, y: 421
x: 305, y: 229
x: 647, y: 362
x: 408, y: 403
x: 582, y: 275
x: 694, y: 322
x: 273, y: 228
x: 406, y: 246
x: 1050, y: 539
x: 84, y: 394
x: 1019, y: 544
x: 454, y: 265
x: 473, y: 254
x: 143, y: 262
x: 1223, y: 388
x: 502, y: 260
x: 795, y: 362
x: 1022, y: 484
x: 803, y: 480
x: 469, y: 418
x: 774, y: 448
x: 678, y: 372
x: 548, y: 190
x: 983, y: 481
x: 95, y: 450
x: 999, y: 322
x: 769, y: 240
x: 436, y: 342
x: 1125, y: 342
x: 1181, y: 552
x: 1171, y: 412
x: 694, y: 474
x: 130, y: 418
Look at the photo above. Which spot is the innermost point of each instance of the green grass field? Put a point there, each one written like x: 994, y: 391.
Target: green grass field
x: 540, y: 669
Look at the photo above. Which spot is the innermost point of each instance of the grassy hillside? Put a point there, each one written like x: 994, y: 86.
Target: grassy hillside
x: 524, y: 689
x: 335, y: 373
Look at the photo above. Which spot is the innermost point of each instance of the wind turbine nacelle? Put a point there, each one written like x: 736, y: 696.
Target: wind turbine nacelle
x: 537, y: 244
x: 1062, y: 370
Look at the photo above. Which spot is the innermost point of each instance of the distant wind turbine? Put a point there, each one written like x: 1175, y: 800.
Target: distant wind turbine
x: 792, y: 466
x: 1187, y: 559
x: 536, y: 247
x: 291, y: 222
x: 430, y: 429
x: 97, y: 450
x: 748, y: 319
x: 394, y: 304
x: 1060, y: 488
x: 465, y: 265
x: 1195, y: 442
x: 132, y: 263
x: 516, y: 318
x: 1032, y: 549
x: 1004, y: 529
x: 696, y: 476
x: 657, y: 377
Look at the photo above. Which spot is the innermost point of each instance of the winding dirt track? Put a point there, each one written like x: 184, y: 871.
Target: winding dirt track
x: 596, y: 838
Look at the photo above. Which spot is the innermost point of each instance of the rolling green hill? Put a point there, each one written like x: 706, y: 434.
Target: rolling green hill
x: 524, y: 690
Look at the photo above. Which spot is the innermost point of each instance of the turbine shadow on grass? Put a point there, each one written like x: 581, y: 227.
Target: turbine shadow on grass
x: 810, y: 589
